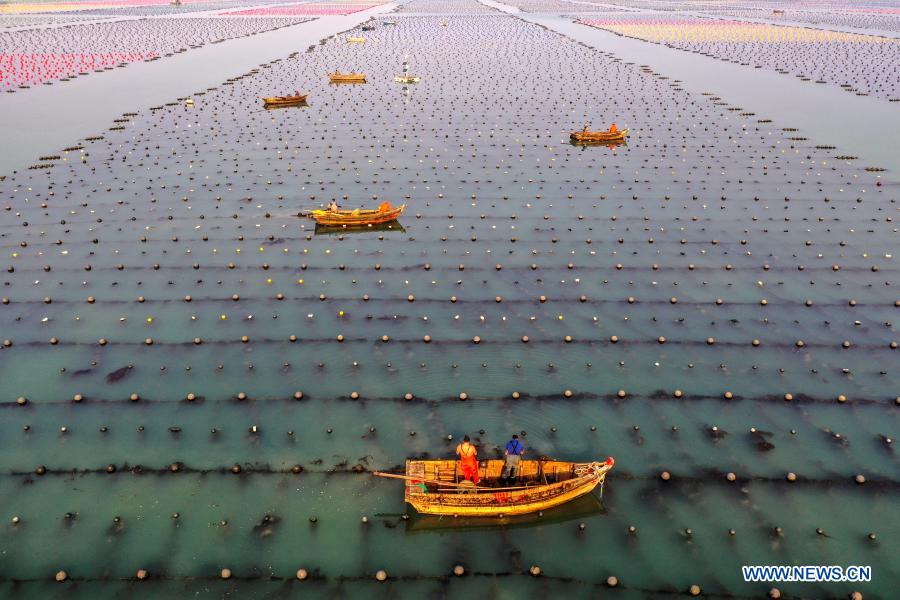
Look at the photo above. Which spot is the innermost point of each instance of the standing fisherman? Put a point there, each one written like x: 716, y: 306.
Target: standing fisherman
x: 468, y: 460
x: 514, y: 452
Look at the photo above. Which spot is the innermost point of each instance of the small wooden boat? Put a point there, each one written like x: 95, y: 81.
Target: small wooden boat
x: 436, y: 487
x: 598, y: 137
x: 338, y: 77
x: 368, y: 27
x: 358, y: 216
x: 273, y: 101
x: 356, y: 40
x: 389, y: 23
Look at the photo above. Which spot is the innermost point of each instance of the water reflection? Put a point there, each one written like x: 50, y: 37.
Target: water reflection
x: 611, y: 145
x: 354, y: 229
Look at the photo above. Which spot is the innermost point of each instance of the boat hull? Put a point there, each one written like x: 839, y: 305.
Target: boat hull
x: 583, y: 507
x: 488, y: 502
x: 496, y: 509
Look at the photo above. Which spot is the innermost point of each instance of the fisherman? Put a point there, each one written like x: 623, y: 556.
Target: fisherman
x: 613, y: 128
x: 468, y: 460
x: 334, y: 206
x: 514, y: 452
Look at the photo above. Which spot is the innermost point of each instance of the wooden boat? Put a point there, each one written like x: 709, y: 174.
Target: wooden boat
x: 389, y: 23
x: 358, y: 216
x: 272, y: 101
x: 338, y: 77
x: 356, y: 40
x: 368, y: 27
x: 436, y: 487
x: 585, y: 136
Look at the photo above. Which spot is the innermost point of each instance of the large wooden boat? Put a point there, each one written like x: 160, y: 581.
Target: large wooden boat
x: 436, y: 487
x: 338, y: 77
x: 598, y: 137
x: 272, y: 101
x: 358, y: 216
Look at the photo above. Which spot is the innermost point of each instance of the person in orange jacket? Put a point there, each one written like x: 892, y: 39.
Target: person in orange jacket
x: 613, y: 128
x: 468, y: 460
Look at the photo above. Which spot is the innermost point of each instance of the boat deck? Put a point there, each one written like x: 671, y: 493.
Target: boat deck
x: 529, y: 473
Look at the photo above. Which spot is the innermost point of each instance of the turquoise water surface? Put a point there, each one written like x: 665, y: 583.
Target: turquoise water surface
x: 710, y: 229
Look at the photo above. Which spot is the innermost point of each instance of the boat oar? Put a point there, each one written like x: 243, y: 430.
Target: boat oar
x: 434, y: 481
x: 445, y: 483
x: 416, y: 479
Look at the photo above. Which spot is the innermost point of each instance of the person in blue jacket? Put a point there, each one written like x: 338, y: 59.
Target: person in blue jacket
x: 514, y: 452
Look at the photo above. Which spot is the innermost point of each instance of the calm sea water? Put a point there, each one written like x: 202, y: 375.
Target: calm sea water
x: 702, y: 204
